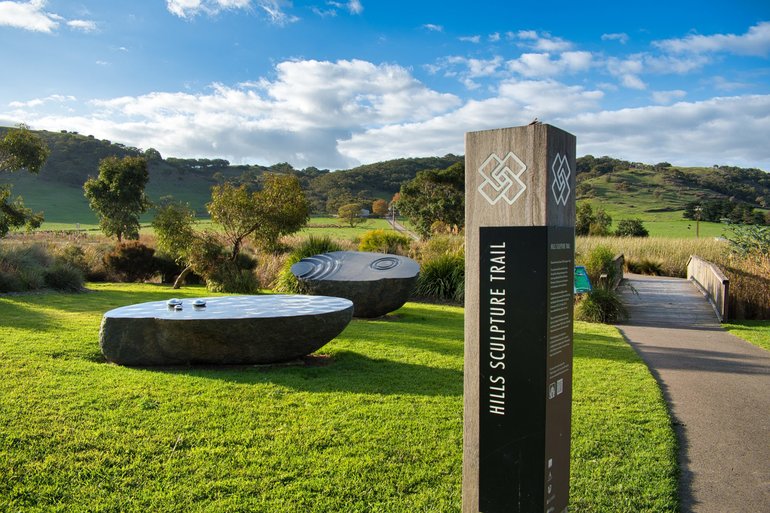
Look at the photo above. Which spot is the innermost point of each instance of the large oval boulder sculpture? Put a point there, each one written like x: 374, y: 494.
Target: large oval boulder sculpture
x: 222, y: 330
x: 376, y: 283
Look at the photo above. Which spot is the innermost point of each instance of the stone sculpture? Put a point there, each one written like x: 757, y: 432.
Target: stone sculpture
x: 222, y: 330
x: 377, y: 283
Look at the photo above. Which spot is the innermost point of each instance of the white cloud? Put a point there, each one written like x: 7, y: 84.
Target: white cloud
x: 273, y: 9
x: 275, y: 12
x: 28, y: 16
x: 470, y: 39
x: 671, y: 64
x: 83, y: 25
x: 620, y: 37
x: 754, y: 42
x: 339, y: 114
x: 36, y: 102
x: 433, y: 28
x: 32, y: 16
x: 494, y: 38
x: 628, y: 70
x: 541, y: 42
x: 729, y: 130
x: 298, y: 117
x: 723, y: 84
x: 355, y: 7
x: 666, y: 97
x: 516, y: 103
x: 542, y: 65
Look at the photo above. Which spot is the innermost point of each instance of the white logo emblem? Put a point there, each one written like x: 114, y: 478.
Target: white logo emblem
x: 501, y: 178
x: 561, y: 173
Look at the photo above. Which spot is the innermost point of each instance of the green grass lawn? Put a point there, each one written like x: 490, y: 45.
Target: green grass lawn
x: 375, y: 426
x: 755, y: 332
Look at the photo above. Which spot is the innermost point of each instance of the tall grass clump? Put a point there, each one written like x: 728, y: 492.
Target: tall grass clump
x: 748, y: 268
x: 442, y: 278
x: 313, y: 245
x: 436, y: 246
x: 31, y: 267
x: 602, y: 304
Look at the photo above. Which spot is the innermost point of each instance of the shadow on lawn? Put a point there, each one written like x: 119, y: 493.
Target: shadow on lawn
x: 347, y: 371
x: 16, y: 314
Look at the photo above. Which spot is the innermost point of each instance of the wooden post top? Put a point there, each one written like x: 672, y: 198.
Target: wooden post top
x: 520, y: 176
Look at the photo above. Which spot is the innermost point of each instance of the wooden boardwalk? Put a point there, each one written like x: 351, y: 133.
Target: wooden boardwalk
x: 718, y: 390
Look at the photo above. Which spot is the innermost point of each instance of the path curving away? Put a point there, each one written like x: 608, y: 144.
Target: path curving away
x: 718, y: 390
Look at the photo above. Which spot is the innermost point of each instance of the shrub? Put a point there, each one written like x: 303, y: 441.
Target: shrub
x: 600, y: 305
x: 631, y: 228
x: 384, y: 241
x: 442, y: 278
x: 65, y: 277
x: 286, y: 281
x: 132, y: 261
x: 228, y: 276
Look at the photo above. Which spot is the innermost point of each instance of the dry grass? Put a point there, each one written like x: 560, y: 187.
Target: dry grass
x: 749, y: 276
x: 671, y: 254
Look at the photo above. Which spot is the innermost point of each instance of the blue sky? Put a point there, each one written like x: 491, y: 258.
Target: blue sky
x: 333, y: 84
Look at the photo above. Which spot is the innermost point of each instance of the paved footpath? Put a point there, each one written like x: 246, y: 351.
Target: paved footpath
x: 718, y: 390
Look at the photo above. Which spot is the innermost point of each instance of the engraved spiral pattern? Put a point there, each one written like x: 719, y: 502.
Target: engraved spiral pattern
x: 317, y: 267
x: 384, y: 264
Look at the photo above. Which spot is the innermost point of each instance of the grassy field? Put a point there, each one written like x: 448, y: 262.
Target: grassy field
x: 373, y: 426
x: 755, y: 332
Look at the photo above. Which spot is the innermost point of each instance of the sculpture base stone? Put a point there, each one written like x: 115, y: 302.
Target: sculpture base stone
x: 229, y: 330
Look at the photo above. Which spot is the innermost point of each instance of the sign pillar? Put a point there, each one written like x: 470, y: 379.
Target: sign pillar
x: 520, y: 244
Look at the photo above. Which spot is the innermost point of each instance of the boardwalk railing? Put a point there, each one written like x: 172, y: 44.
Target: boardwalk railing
x: 712, y: 282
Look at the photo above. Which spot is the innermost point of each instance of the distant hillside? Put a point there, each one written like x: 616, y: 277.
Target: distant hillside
x: 57, y: 190
x: 653, y: 192
x: 662, y: 191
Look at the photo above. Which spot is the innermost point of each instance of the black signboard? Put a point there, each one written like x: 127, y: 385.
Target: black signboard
x: 525, y: 314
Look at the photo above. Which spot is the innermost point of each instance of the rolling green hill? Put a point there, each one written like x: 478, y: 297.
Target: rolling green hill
x: 657, y: 194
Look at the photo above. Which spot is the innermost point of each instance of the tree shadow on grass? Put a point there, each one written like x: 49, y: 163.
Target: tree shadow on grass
x: 17, y: 314
x: 347, y: 371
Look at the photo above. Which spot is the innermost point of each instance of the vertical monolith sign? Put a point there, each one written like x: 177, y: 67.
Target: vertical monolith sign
x: 520, y: 238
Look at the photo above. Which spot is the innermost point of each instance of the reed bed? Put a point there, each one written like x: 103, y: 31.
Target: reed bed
x: 749, y: 275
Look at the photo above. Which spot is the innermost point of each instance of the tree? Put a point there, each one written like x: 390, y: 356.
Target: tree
x: 351, y: 213
x: 285, y: 209
x: 584, y: 216
x: 175, y: 233
x: 380, y: 207
x: 19, y: 149
x: 117, y: 195
x: 237, y: 211
x: 434, y: 195
x: 589, y: 223
x: 280, y: 208
x: 631, y: 228
x: 600, y: 227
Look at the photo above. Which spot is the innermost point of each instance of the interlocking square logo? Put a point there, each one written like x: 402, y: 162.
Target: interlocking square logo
x: 561, y: 173
x: 501, y: 178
